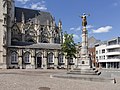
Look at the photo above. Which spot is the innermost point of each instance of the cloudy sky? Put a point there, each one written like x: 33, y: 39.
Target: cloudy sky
x: 103, y: 22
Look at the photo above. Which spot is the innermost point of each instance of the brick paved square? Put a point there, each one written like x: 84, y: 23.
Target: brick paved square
x: 34, y: 79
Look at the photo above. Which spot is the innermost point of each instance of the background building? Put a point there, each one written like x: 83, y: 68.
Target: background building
x: 108, y: 53
x: 91, y: 50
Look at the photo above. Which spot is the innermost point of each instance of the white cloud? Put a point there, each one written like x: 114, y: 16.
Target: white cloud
x: 78, y: 28
x: 72, y: 28
x: 102, y: 29
x: 25, y: 6
x: 89, y: 26
x: 42, y: 1
x: 39, y: 6
x: 76, y: 37
x: 115, y: 4
x: 23, y: 1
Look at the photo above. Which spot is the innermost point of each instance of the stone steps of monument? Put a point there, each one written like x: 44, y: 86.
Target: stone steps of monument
x: 84, y: 77
x: 84, y: 69
x: 82, y: 73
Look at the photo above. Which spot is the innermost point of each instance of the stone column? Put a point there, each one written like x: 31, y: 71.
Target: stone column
x: 1, y: 42
x: 84, y: 49
x: 106, y: 65
x: 84, y: 62
x: 65, y: 60
x: 45, y: 59
x: 20, y: 62
x: 55, y: 59
x: 32, y: 62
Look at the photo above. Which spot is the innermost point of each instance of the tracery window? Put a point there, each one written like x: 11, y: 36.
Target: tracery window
x: 27, y: 57
x: 60, y: 58
x: 15, y: 33
x: 14, y: 57
x: 50, y: 58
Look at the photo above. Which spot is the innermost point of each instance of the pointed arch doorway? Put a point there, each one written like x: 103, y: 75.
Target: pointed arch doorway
x: 39, y: 60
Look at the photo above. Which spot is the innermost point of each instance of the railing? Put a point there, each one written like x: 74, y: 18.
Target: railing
x: 114, y: 58
x: 113, y: 51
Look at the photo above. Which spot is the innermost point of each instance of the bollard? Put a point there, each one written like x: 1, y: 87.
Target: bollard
x: 114, y: 81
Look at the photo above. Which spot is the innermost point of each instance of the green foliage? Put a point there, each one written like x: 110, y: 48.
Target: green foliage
x: 68, y: 46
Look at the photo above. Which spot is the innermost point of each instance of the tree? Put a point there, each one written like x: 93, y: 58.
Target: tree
x: 68, y: 47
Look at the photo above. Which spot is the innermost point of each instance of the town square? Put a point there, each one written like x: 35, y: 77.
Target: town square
x: 59, y: 45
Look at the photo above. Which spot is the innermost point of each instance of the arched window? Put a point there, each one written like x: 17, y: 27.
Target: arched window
x: 27, y: 57
x: 14, y: 57
x: 45, y: 41
x: 60, y: 58
x: 45, y: 36
x: 71, y: 62
x: 16, y: 33
x: 30, y: 35
x: 50, y: 58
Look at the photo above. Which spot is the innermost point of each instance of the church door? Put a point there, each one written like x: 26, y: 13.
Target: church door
x: 39, y: 62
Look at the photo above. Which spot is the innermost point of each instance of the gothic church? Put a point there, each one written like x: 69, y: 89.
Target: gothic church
x: 29, y: 38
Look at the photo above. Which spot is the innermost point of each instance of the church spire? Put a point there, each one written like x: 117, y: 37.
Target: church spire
x: 36, y: 21
x: 60, y: 24
x: 36, y: 26
x: 54, y: 22
x: 47, y: 22
x: 15, y: 20
x: 23, y: 18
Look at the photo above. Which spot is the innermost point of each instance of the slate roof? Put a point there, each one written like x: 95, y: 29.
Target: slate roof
x: 20, y: 43
x: 40, y: 46
x: 45, y: 46
x: 42, y: 16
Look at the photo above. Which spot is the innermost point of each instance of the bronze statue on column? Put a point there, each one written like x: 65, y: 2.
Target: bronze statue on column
x: 84, y: 19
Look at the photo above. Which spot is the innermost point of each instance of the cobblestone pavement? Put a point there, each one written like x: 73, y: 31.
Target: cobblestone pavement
x: 37, y: 79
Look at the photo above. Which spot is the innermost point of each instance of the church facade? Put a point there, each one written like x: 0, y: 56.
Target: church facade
x: 29, y: 38
x: 32, y: 39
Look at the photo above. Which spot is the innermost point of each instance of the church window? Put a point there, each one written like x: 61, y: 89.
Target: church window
x: 50, y: 58
x: 14, y: 57
x: 71, y: 60
x: 60, y: 58
x: 27, y: 58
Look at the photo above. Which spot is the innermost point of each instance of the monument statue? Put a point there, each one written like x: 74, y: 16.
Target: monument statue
x: 84, y: 19
x: 84, y: 61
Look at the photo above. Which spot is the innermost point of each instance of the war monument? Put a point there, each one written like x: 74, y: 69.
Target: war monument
x: 84, y: 62
x: 83, y: 65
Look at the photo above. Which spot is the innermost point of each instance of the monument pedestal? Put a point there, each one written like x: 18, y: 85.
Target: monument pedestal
x: 84, y: 64
x: 84, y: 71
x: 83, y: 68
